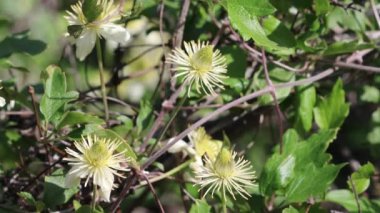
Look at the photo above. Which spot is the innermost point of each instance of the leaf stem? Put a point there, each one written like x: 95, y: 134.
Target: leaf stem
x: 167, y: 174
x: 101, y: 75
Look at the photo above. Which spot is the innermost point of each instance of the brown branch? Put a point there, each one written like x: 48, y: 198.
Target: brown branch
x: 275, y: 101
x: 178, y: 36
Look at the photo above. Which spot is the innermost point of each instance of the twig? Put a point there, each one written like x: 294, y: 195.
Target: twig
x: 357, y: 66
x: 178, y: 36
x: 167, y: 104
x: 232, y: 104
x: 38, y: 121
x: 128, y: 183
x: 153, y: 192
x: 275, y: 101
x: 356, y: 194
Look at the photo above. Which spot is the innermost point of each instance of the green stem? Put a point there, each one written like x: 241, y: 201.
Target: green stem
x: 167, y: 174
x: 224, y: 201
x: 101, y: 75
x: 95, y: 194
x: 174, y: 114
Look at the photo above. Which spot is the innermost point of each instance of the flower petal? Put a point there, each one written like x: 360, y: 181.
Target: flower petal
x: 71, y: 180
x: 114, y: 32
x: 2, y: 101
x: 85, y: 43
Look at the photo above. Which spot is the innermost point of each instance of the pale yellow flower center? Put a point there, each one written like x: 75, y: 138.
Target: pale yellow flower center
x: 201, y: 61
x: 98, y: 155
x: 224, y: 164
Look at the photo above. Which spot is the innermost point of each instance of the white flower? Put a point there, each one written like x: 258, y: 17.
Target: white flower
x: 226, y: 174
x: 200, y: 65
x: 87, y: 22
x: 96, y: 159
x: 2, y: 100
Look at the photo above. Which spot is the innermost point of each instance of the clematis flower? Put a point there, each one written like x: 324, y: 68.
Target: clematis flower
x: 95, y: 159
x: 226, y: 173
x: 200, y: 65
x: 92, y: 19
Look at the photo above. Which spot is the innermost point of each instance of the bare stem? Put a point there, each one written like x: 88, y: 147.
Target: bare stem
x: 101, y: 76
x: 154, y: 193
x: 356, y: 194
x: 273, y: 94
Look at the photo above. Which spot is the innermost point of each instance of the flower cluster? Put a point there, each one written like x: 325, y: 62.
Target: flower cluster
x: 216, y: 167
x: 96, y: 159
x: 200, y: 65
x: 92, y: 19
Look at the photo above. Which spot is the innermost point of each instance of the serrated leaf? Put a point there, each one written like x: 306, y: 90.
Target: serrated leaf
x: 55, y: 96
x: 74, y: 118
x: 361, y: 178
x: 332, y: 110
x: 278, y: 32
x: 294, y: 172
x: 306, y: 99
x: 200, y: 206
x: 55, y: 192
x: 244, y: 19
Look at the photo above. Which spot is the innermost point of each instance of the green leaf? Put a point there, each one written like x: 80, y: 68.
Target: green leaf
x: 370, y: 94
x: 277, y: 75
x: 55, y: 192
x: 331, y: 111
x: 124, y: 147
x: 278, y: 32
x: 145, y: 116
x: 236, y: 61
x: 361, y: 178
x: 343, y: 47
x: 253, y: 7
x: 346, y: 199
x: 374, y: 136
x: 306, y: 98
x: 55, y: 96
x: 376, y: 116
x: 27, y: 197
x: 290, y: 209
x: 31, y: 201
x: 74, y: 118
x: 20, y: 43
x: 244, y: 19
x: 200, y: 206
x: 321, y: 6
x: 294, y: 172
x: 91, y: 10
